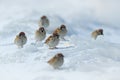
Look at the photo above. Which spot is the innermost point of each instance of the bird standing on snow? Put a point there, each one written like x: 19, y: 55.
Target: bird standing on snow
x: 52, y: 41
x: 96, y: 33
x: 57, y: 61
x: 61, y: 31
x: 20, y: 40
x: 44, y: 22
x: 40, y: 34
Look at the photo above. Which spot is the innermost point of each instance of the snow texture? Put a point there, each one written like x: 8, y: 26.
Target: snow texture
x: 85, y: 58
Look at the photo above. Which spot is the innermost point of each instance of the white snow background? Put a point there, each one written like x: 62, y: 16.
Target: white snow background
x: 85, y: 58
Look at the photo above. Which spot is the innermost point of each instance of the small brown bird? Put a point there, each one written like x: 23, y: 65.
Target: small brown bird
x: 44, y: 22
x: 20, y: 40
x: 96, y: 33
x: 61, y: 31
x: 40, y: 34
x: 52, y: 41
x: 57, y: 61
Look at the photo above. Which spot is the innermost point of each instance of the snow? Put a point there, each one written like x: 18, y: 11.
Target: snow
x: 85, y: 58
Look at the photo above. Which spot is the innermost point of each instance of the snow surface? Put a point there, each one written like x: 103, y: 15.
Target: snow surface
x: 85, y: 58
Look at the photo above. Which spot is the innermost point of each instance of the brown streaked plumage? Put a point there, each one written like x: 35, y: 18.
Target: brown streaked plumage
x: 52, y: 41
x: 57, y: 61
x: 20, y: 40
x: 96, y: 33
x: 61, y: 31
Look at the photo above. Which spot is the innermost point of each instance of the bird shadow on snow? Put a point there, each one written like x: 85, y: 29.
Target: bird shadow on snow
x: 66, y: 47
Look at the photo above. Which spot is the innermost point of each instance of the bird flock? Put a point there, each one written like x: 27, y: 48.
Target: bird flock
x: 52, y: 41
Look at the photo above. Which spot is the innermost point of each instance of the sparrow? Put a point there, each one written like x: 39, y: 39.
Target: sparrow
x: 96, y: 33
x: 20, y: 40
x: 61, y: 31
x: 57, y: 61
x: 52, y: 41
x: 40, y: 34
x: 44, y: 22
